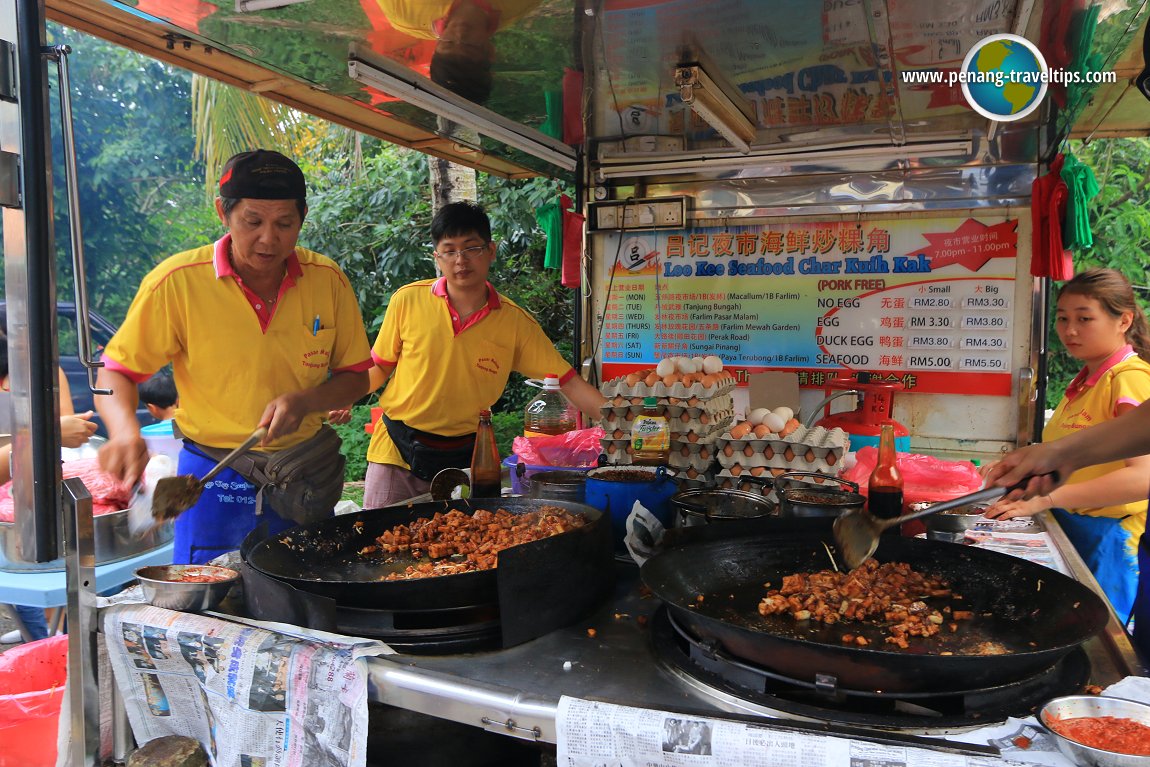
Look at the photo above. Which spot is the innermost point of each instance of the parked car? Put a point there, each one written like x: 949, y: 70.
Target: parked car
x: 67, y: 331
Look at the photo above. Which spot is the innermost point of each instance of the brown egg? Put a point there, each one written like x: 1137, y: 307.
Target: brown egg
x: 618, y: 434
x: 691, y: 474
x: 790, y: 427
x: 628, y: 416
x: 708, y: 381
x: 726, y: 484
x: 762, y: 430
x: 611, y: 448
x: 789, y: 453
x: 738, y: 431
x: 728, y: 450
x: 633, y: 378
x: 652, y: 378
x: 692, y: 436
x: 685, y: 451
x: 704, y: 453
x: 832, y: 459
x: 810, y: 456
x: 628, y: 448
x: 769, y: 452
x: 619, y: 400
x: 748, y: 451
x: 736, y: 470
x: 758, y: 471
x: 693, y: 402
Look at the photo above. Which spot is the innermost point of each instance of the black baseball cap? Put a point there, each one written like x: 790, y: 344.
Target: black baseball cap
x: 262, y: 175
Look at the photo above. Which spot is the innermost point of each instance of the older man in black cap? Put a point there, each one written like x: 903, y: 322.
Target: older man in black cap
x: 259, y: 332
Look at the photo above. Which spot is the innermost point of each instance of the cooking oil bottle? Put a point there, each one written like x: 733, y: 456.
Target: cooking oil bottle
x: 550, y: 412
x: 650, y: 436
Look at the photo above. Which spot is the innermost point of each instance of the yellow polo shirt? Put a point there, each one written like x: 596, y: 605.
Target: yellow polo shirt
x: 230, y: 354
x: 417, y: 17
x: 447, y: 370
x: 1123, y: 379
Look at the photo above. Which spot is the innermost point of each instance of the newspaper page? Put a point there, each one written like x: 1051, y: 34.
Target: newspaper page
x: 594, y: 734
x: 1034, y: 547
x: 252, y: 697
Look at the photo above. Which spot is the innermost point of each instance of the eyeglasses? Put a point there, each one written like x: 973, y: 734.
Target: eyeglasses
x: 466, y: 254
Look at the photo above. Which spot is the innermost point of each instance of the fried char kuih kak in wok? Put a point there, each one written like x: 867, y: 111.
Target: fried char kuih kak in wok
x: 328, y: 558
x: 1027, y: 615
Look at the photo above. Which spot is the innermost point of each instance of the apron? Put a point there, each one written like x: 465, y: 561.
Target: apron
x: 1103, y: 545
x: 222, y: 517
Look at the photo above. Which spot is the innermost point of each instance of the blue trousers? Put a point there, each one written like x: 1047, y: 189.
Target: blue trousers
x: 33, y: 619
x: 223, y: 516
x: 1103, y: 545
x: 1142, y: 601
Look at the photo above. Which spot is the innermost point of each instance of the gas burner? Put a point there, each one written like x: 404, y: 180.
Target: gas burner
x: 824, y: 701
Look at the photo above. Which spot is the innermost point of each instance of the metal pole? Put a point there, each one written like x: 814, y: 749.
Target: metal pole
x: 83, y: 686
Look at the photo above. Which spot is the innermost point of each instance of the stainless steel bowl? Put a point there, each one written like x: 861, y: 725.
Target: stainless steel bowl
x: 950, y: 525
x: 1073, y: 706
x: 163, y: 586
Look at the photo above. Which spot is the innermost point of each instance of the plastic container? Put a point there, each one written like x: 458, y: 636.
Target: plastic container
x: 550, y: 412
x: 161, y: 440
x: 651, y: 436
x: 32, y: 680
x: 614, y: 490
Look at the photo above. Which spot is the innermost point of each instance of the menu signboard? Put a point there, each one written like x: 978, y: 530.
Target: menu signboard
x: 925, y: 301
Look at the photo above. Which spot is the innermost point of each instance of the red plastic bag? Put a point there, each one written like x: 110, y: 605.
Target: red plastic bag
x: 925, y: 478
x: 575, y: 449
x: 32, y: 680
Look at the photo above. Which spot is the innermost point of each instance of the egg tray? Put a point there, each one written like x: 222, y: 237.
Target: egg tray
x: 694, y: 442
x: 694, y: 461
x: 620, y: 387
x: 704, y: 445
x: 700, y: 421
x: 716, y: 425
x: 811, y: 446
x: 622, y: 406
x: 736, y: 469
x: 724, y: 481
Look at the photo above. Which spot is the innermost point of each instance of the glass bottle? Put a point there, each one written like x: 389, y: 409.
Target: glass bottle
x: 650, y: 436
x: 885, y: 487
x: 550, y: 412
x: 486, y: 471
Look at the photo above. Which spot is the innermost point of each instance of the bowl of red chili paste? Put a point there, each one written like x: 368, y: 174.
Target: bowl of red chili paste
x: 1099, y: 731
x: 188, y: 588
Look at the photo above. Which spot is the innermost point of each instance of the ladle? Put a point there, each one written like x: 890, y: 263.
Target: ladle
x: 857, y: 531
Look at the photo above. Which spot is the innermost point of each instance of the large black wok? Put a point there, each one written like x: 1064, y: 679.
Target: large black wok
x: 324, y: 557
x: 1036, y: 614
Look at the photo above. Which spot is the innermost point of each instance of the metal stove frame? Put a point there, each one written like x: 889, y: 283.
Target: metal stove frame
x: 515, y: 692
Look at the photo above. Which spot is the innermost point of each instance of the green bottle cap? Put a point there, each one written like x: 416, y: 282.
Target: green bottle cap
x: 650, y: 401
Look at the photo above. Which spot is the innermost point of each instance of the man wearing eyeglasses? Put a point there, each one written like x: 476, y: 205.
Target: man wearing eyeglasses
x: 449, y: 346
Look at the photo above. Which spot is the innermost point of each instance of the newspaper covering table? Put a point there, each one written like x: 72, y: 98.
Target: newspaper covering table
x: 252, y: 697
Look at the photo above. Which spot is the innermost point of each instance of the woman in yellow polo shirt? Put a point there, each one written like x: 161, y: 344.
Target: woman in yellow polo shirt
x: 1101, y: 508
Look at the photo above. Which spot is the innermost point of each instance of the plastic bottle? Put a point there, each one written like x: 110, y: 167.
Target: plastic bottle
x: 550, y: 412
x: 486, y: 471
x: 650, y: 436
x: 885, y: 487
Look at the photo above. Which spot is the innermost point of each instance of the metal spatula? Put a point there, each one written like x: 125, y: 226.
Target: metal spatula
x: 856, y: 532
x: 175, y: 495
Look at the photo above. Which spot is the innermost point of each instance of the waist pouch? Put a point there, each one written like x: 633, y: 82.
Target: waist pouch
x: 427, y: 454
x: 302, y: 483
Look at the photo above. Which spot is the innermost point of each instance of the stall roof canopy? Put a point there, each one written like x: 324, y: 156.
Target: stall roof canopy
x: 481, y: 82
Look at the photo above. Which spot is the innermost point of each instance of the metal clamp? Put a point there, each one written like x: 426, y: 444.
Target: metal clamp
x: 59, y: 54
x: 511, y: 726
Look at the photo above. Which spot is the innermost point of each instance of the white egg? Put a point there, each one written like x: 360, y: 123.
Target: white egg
x: 712, y: 364
x: 784, y: 412
x: 686, y: 365
x: 773, y: 422
x: 665, y: 367
x: 756, y: 416
x: 698, y: 363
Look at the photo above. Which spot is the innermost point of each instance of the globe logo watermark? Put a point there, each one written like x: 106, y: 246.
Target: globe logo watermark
x: 1004, y: 77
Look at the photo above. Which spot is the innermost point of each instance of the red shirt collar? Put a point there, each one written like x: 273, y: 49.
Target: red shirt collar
x: 439, y: 288
x: 223, y: 262
x: 1084, y: 380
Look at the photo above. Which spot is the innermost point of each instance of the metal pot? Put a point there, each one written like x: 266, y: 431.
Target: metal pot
x: 561, y: 485
x: 799, y: 498
x: 700, y: 507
